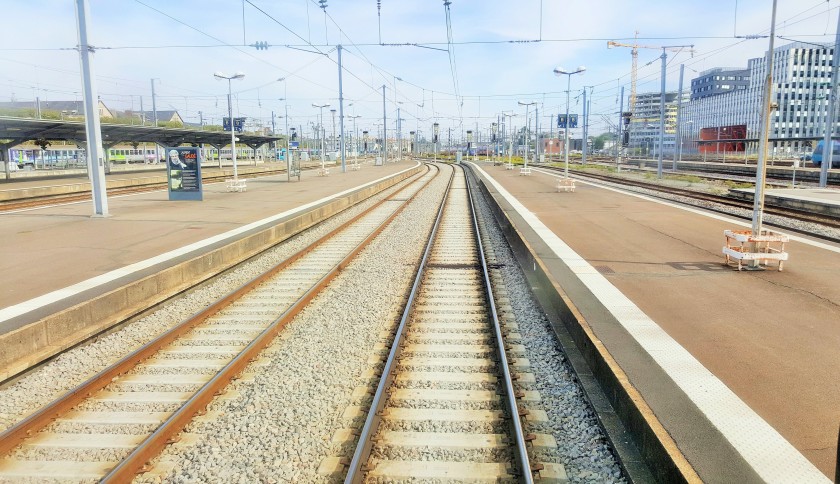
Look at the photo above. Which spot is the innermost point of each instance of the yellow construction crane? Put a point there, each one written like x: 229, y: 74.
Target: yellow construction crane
x: 635, y: 68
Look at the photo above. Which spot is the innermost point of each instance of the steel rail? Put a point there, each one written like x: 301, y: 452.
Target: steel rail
x: 800, y: 215
x: 365, y: 444
x: 82, y: 196
x: 33, y: 423
x: 154, y: 444
x: 510, y: 392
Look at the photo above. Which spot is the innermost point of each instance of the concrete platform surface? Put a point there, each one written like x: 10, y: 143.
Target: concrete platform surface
x: 746, y: 349
x: 47, y: 249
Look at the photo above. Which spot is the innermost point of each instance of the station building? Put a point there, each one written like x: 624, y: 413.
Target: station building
x: 727, y: 120
x: 644, y: 125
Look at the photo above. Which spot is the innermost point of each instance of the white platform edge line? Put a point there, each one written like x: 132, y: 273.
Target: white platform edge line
x: 59, y: 294
x: 761, y: 446
x: 724, y: 218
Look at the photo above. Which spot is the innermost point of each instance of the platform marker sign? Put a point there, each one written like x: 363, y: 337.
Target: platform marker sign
x: 572, y: 122
x: 183, y: 170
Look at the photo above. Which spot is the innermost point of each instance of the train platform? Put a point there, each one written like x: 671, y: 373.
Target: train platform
x: 738, y: 369
x: 60, y: 182
x: 58, y: 256
x: 817, y: 200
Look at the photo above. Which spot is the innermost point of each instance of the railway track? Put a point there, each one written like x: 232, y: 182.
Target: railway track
x: 112, y: 425
x: 446, y: 408
x: 720, y: 200
x: 41, y: 201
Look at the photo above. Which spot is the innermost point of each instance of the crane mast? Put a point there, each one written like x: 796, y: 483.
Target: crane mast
x: 631, y: 107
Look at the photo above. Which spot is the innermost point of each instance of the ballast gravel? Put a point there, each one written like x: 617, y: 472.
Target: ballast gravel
x: 72, y: 367
x: 280, y: 427
x: 769, y: 219
x: 582, y: 447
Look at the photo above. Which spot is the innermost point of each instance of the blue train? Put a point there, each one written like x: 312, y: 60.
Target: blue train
x: 816, y: 157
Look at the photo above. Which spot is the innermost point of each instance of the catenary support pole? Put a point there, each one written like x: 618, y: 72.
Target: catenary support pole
x: 678, y: 135
x: 585, y: 114
x: 828, y: 148
x: 767, y: 99
x: 93, y: 131
x: 661, y: 116
x: 620, y: 131
x: 341, y: 112
x: 384, y: 129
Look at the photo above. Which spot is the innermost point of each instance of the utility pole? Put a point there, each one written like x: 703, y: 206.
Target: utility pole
x: 273, y: 133
x: 341, y: 111
x: 661, y: 117
x: 620, y: 132
x: 585, y: 114
x: 828, y: 145
x: 761, y: 168
x: 154, y: 105
x: 537, y: 134
x: 92, y: 127
x: 384, y: 129
x: 678, y: 133
x: 399, y: 137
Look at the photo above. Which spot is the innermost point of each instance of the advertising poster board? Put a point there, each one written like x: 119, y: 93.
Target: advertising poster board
x: 183, y: 169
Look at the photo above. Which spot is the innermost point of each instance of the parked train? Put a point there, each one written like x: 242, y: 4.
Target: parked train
x: 817, y: 156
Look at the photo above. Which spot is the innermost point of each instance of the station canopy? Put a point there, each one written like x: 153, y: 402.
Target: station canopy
x: 14, y: 131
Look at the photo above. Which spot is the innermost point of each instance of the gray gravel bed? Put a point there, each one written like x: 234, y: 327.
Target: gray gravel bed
x: 94, y: 406
x: 153, y: 387
x: 280, y: 427
x: 774, y: 220
x: 69, y: 454
x: 73, y: 367
x: 387, y: 452
x: 581, y: 445
x: 445, y: 404
x: 476, y: 427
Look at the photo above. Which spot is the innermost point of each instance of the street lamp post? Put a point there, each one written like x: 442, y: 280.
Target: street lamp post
x: 238, y: 75
x: 559, y: 71
x: 527, y: 135
x: 320, y: 134
x: 509, y: 129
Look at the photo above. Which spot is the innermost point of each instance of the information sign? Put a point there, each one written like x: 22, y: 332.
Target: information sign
x: 238, y: 124
x: 183, y: 169
x: 573, y: 121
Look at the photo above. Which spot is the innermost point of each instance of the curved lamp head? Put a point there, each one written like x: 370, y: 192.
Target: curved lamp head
x: 559, y: 71
x: 221, y: 75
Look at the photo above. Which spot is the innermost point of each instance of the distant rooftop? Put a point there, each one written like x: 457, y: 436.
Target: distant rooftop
x: 721, y: 69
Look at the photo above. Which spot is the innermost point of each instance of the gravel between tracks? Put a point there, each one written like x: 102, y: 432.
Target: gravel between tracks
x: 769, y: 219
x: 73, y: 367
x: 280, y: 427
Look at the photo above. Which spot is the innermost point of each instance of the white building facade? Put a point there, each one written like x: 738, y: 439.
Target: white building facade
x: 644, y: 124
x: 800, y: 88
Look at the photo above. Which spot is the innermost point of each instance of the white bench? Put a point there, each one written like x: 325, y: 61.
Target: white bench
x: 508, y: 166
x: 524, y: 171
x: 238, y: 185
x: 565, y: 185
x: 323, y: 171
x: 354, y: 166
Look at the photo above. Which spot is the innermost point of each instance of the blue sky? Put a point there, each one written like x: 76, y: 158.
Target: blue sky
x: 504, y: 51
